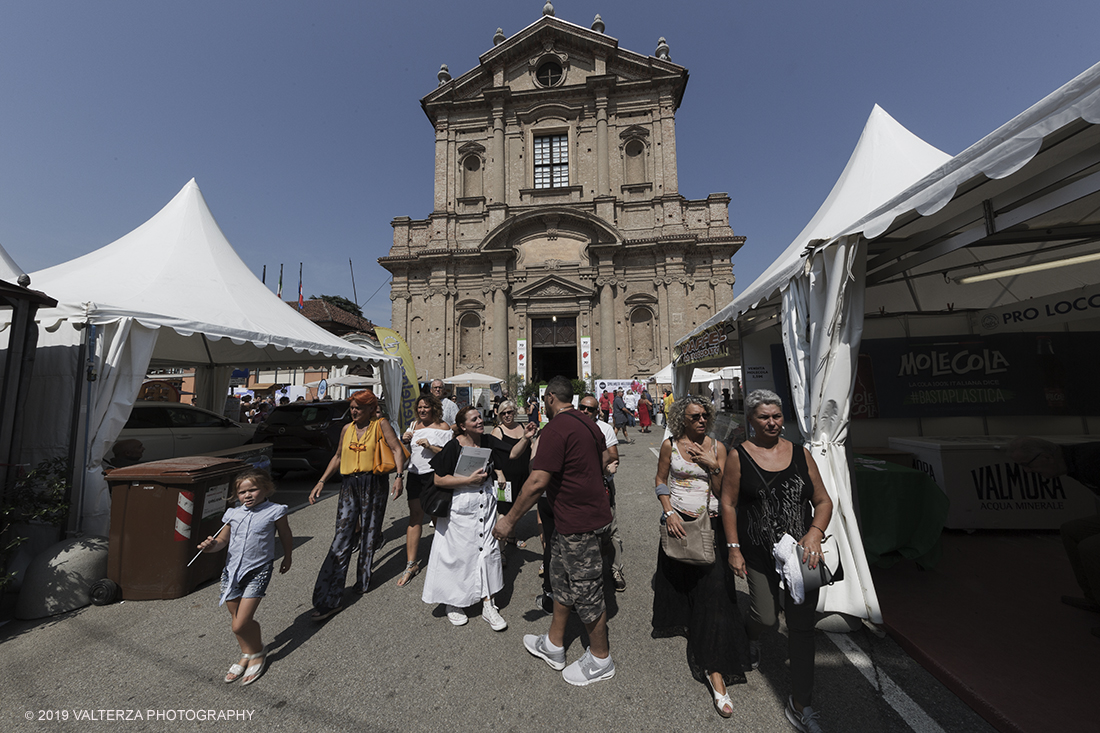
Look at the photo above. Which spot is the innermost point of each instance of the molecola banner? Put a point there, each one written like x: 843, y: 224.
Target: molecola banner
x: 949, y: 376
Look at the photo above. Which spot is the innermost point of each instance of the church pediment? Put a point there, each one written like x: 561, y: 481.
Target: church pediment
x: 553, y: 287
x: 513, y: 65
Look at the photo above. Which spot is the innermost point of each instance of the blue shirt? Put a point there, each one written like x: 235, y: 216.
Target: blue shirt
x: 251, y: 539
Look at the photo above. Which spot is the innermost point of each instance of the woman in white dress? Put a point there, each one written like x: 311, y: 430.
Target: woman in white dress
x: 425, y: 437
x: 464, y: 566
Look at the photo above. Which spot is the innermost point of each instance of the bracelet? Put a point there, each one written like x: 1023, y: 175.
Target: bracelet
x: 669, y: 513
x: 733, y: 544
x: 819, y: 529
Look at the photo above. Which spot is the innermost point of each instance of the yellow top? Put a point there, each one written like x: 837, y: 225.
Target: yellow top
x: 357, y: 454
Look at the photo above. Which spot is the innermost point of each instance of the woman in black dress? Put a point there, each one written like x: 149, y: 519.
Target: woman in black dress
x: 513, y: 470
x: 697, y: 601
x: 772, y: 488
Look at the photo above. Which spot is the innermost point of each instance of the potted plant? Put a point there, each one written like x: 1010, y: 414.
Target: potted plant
x: 31, y: 515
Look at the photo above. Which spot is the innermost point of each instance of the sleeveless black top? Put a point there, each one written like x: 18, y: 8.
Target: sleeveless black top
x: 770, y: 503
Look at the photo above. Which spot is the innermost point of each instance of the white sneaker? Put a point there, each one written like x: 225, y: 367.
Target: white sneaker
x: 492, y: 616
x: 456, y: 616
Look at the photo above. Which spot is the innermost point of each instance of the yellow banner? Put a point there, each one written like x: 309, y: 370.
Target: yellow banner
x: 394, y: 345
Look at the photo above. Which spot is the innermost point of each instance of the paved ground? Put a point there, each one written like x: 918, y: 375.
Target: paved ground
x: 389, y: 662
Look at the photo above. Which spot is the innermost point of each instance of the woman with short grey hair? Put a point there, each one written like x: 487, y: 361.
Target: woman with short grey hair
x: 773, y: 498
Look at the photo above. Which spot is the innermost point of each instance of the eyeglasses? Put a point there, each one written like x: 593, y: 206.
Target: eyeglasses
x: 696, y: 416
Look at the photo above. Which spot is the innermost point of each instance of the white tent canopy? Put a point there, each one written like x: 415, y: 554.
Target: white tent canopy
x: 473, y: 378
x: 170, y: 293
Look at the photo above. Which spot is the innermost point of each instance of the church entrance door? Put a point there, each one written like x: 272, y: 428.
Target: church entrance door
x: 553, y: 348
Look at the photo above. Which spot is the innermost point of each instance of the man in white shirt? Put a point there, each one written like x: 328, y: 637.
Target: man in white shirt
x: 590, y: 406
x: 450, y: 408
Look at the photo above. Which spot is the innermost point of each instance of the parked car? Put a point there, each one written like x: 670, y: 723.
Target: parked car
x: 304, y: 435
x: 173, y: 429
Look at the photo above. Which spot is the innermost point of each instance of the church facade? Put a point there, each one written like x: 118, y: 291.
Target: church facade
x: 558, y: 242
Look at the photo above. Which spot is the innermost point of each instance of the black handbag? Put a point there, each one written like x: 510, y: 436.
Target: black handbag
x: 821, y: 575
x: 434, y: 500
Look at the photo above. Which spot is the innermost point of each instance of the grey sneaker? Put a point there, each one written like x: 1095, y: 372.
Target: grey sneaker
x: 619, y: 578
x: 537, y: 646
x: 806, y: 721
x: 584, y: 671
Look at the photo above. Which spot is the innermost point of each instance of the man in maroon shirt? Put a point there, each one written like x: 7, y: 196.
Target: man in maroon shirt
x: 568, y: 466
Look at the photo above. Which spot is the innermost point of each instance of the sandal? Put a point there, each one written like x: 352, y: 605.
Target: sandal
x: 251, y: 676
x: 411, y: 570
x: 323, y: 614
x: 722, y: 703
x: 234, y: 673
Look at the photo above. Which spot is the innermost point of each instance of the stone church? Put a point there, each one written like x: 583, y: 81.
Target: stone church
x: 558, y: 242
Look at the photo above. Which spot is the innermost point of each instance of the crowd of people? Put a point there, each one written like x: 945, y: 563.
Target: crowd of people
x: 761, y: 516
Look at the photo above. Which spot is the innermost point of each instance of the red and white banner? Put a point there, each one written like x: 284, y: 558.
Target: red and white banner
x: 521, y: 358
x: 586, y: 357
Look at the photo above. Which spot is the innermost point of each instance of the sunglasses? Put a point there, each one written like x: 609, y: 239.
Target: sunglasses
x: 508, y: 412
x: 697, y: 416
x: 589, y: 408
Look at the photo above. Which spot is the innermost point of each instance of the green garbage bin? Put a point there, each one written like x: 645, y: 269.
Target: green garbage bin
x: 160, y: 512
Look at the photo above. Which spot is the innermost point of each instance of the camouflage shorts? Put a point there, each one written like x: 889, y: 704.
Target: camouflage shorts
x: 576, y: 572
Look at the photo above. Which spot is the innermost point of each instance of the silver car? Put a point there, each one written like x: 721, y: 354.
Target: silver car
x: 173, y: 430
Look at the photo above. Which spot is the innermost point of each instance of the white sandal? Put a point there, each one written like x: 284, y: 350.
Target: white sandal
x: 249, y: 675
x: 234, y: 673
x: 721, y: 702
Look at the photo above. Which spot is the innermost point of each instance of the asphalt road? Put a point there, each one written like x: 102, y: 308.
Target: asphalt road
x: 390, y: 662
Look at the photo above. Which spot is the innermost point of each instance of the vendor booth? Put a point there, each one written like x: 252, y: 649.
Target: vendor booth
x: 957, y: 298
x: 171, y: 293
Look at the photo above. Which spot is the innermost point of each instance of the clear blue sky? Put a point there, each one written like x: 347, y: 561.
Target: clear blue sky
x: 301, y: 121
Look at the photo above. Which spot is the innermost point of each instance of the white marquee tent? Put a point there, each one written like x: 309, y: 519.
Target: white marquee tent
x: 1022, y: 200
x: 170, y: 293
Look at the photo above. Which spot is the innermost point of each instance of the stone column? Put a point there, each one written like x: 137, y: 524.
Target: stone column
x: 499, y: 191
x: 602, y: 162
x: 608, y: 356
x: 500, y: 333
x: 442, y: 173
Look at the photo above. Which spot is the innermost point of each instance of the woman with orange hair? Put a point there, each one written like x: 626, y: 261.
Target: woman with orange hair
x: 362, y: 502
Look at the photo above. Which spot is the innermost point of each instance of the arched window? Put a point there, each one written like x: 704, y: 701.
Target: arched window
x: 471, y: 176
x: 470, y: 352
x: 641, y: 335
x: 635, y: 162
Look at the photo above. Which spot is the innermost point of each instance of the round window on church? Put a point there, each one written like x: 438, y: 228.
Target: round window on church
x: 549, y: 73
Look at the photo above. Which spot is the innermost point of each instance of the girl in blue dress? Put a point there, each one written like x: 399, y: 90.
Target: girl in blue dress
x: 250, y: 534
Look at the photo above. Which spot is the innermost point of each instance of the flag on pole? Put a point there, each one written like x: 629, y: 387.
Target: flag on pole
x: 301, y: 300
x: 394, y: 345
x: 279, y: 294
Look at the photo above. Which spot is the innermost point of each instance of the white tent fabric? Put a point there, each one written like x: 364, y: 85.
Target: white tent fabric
x: 171, y: 292
x: 472, y: 378
x: 698, y: 376
x: 822, y: 324
x: 9, y: 271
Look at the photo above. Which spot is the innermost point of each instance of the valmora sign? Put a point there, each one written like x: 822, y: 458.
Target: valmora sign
x: 717, y: 342
x: 1039, y: 313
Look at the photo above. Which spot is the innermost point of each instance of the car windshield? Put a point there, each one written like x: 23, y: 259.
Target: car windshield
x: 300, y: 416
